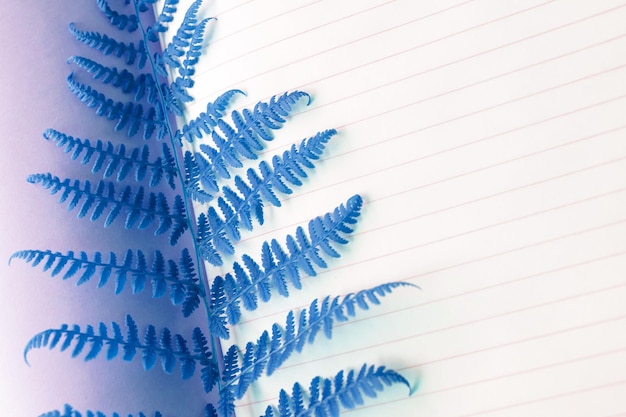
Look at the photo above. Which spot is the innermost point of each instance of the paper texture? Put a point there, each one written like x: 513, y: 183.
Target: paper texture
x: 488, y: 141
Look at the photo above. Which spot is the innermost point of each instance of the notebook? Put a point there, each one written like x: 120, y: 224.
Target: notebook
x: 488, y: 141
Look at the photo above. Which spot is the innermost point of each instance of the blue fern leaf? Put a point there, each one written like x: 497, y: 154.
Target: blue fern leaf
x: 149, y: 354
x: 210, y: 411
x: 250, y: 128
x: 278, y: 268
x: 209, y: 372
x: 273, y: 348
x: 179, y: 218
x: 132, y: 339
x: 182, y: 39
x: 151, y: 348
x: 141, y: 86
x: 239, y: 207
x: 69, y: 411
x: 184, y: 81
x: 96, y: 348
x: 217, y: 322
x: 161, y: 272
x: 244, y: 139
x: 246, y: 379
x: 206, y: 121
x: 129, y: 23
x: 197, y: 179
x: 164, y: 17
x: 139, y: 213
x: 226, y: 404
x: 132, y: 54
x: 168, y: 358
x: 129, y: 114
x: 327, y: 396
x: 192, y: 287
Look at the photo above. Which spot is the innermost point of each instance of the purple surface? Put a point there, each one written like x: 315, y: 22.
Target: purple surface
x: 35, y: 97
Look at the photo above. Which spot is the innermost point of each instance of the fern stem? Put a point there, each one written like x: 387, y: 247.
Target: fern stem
x: 202, y: 274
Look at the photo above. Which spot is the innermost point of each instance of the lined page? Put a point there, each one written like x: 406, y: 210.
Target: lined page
x: 488, y: 141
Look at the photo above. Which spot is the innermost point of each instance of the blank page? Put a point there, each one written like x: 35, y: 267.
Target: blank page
x: 488, y: 141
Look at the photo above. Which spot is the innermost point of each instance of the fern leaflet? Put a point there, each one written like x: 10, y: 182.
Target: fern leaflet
x: 133, y: 54
x: 141, y: 86
x: 139, y: 213
x: 129, y: 114
x: 181, y: 277
x: 130, y: 23
x: 216, y: 234
x: 69, y: 411
x: 117, y: 160
x: 273, y: 348
x: 167, y: 347
x: 253, y: 281
x: 327, y: 396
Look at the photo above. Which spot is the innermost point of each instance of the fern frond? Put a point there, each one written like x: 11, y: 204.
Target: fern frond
x: 273, y: 348
x: 163, y: 19
x: 210, y: 411
x: 181, y: 40
x: 260, y: 183
x: 198, y: 178
x: 327, y: 396
x: 218, y: 232
x: 141, y: 86
x: 243, y: 140
x: 277, y: 268
x: 209, y: 372
x: 184, y: 81
x: 129, y: 114
x: 118, y: 161
x: 103, y: 197
x: 250, y: 127
x: 130, y: 23
x: 134, y: 266
x: 206, y: 121
x: 115, y: 343
x: 69, y: 411
x: 133, y: 54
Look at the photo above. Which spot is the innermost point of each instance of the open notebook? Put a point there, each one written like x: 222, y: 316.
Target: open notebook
x: 488, y: 140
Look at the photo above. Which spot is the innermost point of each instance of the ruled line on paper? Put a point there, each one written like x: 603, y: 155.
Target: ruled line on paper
x: 549, y: 397
x: 466, y: 58
x: 494, y: 106
x: 386, y: 2
x: 414, y: 278
x: 457, y: 61
x: 429, y: 43
x: 230, y: 10
x: 456, y: 326
x: 511, y: 281
x: 555, y: 364
x: 473, y: 171
x: 303, y: 6
x: 514, y: 405
x: 545, y: 335
x: 385, y: 141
